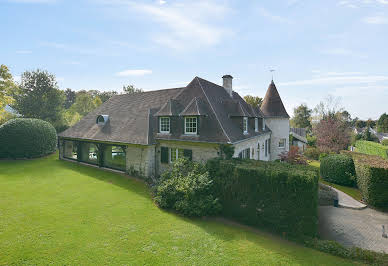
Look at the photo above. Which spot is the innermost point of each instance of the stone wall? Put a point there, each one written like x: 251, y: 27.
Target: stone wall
x: 140, y: 160
x: 201, y: 152
x: 280, y: 128
x: 256, y: 146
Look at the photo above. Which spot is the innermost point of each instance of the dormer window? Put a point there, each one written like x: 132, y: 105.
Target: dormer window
x: 102, y: 120
x: 164, y: 125
x: 245, y: 125
x: 256, y: 124
x: 191, y: 125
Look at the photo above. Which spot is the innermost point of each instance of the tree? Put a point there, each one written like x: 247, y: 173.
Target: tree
x: 7, y: 87
x: 360, y: 124
x: 302, y: 117
x: 85, y: 102
x: 253, y: 100
x: 39, y: 97
x: 106, y: 95
x: 70, y: 98
x: 332, y: 135
x: 382, y: 123
x: 131, y: 89
x: 329, y: 107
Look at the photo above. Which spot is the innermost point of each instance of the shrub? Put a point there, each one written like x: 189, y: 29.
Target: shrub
x: 187, y: 189
x: 27, y: 138
x: 372, y: 148
x: 312, y: 153
x: 384, y: 142
x: 227, y: 151
x: 322, y: 155
x: 372, y: 179
x: 338, y: 169
x: 293, y: 156
x: 275, y: 195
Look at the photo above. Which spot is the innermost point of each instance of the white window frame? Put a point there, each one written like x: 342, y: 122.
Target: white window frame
x: 196, y: 125
x: 256, y: 124
x: 284, y: 141
x: 245, y: 125
x: 174, y: 151
x: 160, y: 125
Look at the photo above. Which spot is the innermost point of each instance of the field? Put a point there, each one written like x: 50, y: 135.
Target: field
x: 58, y: 212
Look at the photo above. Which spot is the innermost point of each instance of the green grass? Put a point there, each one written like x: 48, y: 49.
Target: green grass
x: 58, y: 212
x: 351, y: 191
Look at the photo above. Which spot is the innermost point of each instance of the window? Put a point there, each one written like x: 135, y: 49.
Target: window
x: 191, y: 125
x: 245, y: 154
x: 282, y: 143
x: 164, y: 124
x: 266, y: 147
x: 114, y: 157
x: 170, y: 155
x: 245, y: 125
x: 263, y: 123
x: 256, y: 124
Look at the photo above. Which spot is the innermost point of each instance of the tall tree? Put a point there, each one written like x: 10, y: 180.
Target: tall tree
x: 382, y: 123
x: 302, y: 117
x: 131, y: 89
x: 70, y: 98
x: 7, y: 87
x: 106, y: 95
x: 253, y: 100
x: 85, y: 102
x: 333, y: 135
x: 329, y: 107
x: 39, y: 97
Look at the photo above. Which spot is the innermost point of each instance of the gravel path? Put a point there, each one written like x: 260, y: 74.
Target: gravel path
x: 361, y: 228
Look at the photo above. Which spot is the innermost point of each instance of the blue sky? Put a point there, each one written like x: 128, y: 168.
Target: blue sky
x: 318, y: 48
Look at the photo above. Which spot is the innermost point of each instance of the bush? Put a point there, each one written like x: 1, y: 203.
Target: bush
x: 293, y: 156
x: 338, y: 169
x: 312, y: 153
x: 322, y: 155
x: 275, y: 195
x: 372, y: 148
x: 27, y: 138
x: 372, y: 178
x: 384, y: 142
x: 187, y: 189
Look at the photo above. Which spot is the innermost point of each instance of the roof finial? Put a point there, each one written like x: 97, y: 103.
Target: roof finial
x: 272, y: 70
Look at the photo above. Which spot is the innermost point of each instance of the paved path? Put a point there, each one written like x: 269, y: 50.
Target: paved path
x: 361, y: 228
x: 346, y: 201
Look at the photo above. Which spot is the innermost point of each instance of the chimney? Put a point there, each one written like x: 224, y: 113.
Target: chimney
x: 227, y: 84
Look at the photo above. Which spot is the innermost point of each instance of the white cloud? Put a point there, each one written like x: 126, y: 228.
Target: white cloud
x: 276, y: 18
x: 24, y: 52
x: 181, y: 25
x: 133, y: 72
x: 376, y: 20
x: 161, y: 2
x: 341, y: 80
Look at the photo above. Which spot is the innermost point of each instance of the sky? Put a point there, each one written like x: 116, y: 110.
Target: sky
x: 317, y: 48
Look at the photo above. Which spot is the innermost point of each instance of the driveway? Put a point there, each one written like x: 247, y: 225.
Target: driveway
x: 361, y: 228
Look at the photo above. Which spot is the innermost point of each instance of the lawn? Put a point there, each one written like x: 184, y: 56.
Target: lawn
x: 58, y: 212
x: 351, y: 191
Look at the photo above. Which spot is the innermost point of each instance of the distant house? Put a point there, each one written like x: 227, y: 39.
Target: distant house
x: 299, y: 138
x: 146, y: 132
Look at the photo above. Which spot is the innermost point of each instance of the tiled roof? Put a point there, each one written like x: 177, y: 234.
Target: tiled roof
x: 272, y: 105
x: 133, y: 118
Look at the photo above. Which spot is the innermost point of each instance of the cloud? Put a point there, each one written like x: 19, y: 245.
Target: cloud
x: 359, y: 3
x: 341, y: 80
x: 379, y: 20
x: 161, y: 2
x: 133, y: 72
x: 181, y: 25
x: 276, y: 18
x: 24, y: 52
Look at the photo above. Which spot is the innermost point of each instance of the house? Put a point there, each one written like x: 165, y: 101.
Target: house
x: 299, y: 138
x: 144, y: 133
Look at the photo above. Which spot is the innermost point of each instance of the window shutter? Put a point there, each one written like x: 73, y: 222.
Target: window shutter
x: 164, y: 155
x: 188, y: 154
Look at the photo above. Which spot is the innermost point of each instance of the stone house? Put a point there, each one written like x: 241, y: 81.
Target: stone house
x: 299, y: 138
x: 144, y: 133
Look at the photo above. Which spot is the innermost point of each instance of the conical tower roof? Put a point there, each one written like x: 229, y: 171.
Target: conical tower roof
x: 272, y: 105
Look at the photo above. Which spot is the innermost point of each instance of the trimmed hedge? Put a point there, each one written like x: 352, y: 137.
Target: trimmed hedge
x: 278, y: 196
x: 27, y: 138
x: 372, y: 148
x: 372, y: 178
x: 338, y: 169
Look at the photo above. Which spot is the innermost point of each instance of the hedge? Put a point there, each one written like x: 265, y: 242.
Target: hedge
x: 338, y: 169
x: 27, y: 138
x: 372, y: 148
x: 274, y: 195
x: 372, y: 178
